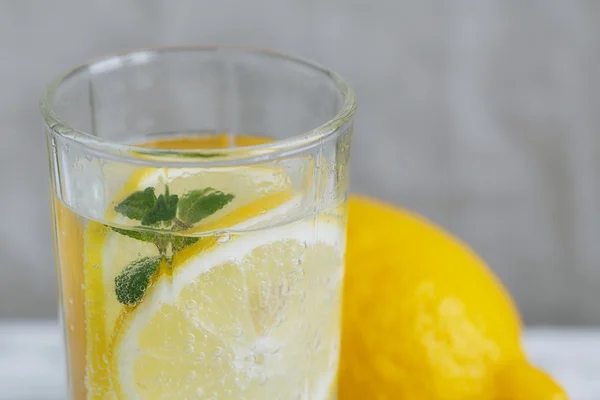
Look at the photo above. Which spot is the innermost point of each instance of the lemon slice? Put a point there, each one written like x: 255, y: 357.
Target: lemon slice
x: 254, y: 318
x: 257, y: 190
x: 262, y: 195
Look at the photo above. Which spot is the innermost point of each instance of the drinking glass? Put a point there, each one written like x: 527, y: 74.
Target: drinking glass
x: 199, y: 206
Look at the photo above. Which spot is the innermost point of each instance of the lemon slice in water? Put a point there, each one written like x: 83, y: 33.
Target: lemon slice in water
x: 254, y: 318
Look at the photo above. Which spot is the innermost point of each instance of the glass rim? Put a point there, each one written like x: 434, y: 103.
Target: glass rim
x: 279, y: 148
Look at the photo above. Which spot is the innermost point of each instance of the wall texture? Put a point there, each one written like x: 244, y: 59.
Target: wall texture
x: 482, y: 115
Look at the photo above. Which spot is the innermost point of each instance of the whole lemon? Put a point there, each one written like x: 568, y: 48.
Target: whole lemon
x: 425, y: 319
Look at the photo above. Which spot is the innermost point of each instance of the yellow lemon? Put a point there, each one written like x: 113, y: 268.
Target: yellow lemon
x: 424, y: 318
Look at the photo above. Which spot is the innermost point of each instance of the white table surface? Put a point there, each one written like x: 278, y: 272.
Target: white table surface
x: 31, y: 360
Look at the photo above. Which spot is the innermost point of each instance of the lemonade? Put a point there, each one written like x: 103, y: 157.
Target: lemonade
x: 218, y: 283
x: 195, y: 262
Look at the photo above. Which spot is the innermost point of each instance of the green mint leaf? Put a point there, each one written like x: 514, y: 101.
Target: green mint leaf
x: 132, y: 282
x: 164, y: 209
x: 137, y: 204
x: 199, y: 204
x: 139, y: 235
x: 183, y: 154
x: 203, y: 155
x: 181, y: 242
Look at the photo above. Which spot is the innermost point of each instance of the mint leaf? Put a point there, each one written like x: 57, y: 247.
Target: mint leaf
x: 146, y: 207
x: 139, y: 235
x: 183, y: 154
x: 202, y: 155
x: 199, y: 204
x: 181, y: 242
x: 164, y: 209
x: 137, y: 204
x: 132, y: 282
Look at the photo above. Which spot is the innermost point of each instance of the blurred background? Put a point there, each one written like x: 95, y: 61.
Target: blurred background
x: 482, y: 115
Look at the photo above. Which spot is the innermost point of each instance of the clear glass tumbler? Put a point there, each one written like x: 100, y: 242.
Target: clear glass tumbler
x: 199, y: 213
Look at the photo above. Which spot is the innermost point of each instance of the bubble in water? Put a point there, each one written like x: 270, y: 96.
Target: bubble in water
x: 71, y: 327
x: 219, y: 352
x: 224, y: 238
x: 189, y: 349
x: 239, y: 333
x: 191, y: 338
x: 201, y: 357
x: 192, y: 375
x: 104, y: 359
x: 199, y: 392
x: 83, y: 285
x: 96, y: 266
x: 190, y: 304
x: 70, y: 300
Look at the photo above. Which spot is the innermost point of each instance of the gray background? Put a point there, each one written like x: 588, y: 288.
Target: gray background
x: 482, y: 115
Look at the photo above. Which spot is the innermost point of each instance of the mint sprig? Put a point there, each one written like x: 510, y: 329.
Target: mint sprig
x: 168, y: 210
x: 132, y: 282
x: 137, y: 204
x: 144, y: 206
x: 144, y: 236
x: 164, y: 209
x: 199, y: 204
